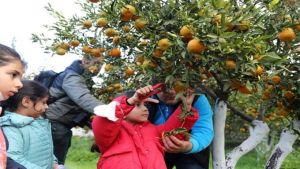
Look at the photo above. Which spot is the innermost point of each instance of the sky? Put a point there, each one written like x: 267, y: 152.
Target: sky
x: 19, y: 19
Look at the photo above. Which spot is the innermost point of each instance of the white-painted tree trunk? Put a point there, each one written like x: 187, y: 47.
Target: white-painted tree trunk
x: 218, y: 149
x: 283, y: 147
x: 258, y: 133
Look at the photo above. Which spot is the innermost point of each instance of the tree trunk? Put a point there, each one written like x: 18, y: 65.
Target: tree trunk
x: 259, y: 132
x: 218, y: 150
x: 283, y: 147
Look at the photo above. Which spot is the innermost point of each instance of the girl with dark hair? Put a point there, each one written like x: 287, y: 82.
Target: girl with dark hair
x: 28, y: 133
x: 11, y: 70
x: 127, y: 139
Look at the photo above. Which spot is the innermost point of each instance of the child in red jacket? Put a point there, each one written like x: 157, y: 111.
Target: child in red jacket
x: 127, y: 139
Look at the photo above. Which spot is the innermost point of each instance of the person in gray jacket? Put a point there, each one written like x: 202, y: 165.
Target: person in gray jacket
x: 72, y: 105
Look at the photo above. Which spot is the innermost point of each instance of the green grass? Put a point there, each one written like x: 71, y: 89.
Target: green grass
x: 253, y: 160
x: 80, y: 157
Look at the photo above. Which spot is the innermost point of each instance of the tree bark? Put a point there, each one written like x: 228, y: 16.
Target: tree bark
x: 259, y: 132
x: 218, y: 150
x: 283, y: 147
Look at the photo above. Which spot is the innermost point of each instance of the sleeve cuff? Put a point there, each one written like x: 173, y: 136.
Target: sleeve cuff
x: 107, y: 111
x: 195, y: 146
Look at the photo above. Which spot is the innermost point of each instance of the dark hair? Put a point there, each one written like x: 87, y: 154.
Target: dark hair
x: 129, y: 93
x: 8, y: 54
x: 32, y: 89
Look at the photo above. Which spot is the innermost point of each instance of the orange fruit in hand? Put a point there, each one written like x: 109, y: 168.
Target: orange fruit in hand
x: 195, y: 46
x: 286, y: 35
x: 164, y: 44
x: 230, y: 64
x: 115, y: 52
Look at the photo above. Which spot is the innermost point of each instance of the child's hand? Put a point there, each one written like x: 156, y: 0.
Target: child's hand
x: 61, y: 167
x: 174, y: 145
x: 55, y: 165
x: 144, y: 91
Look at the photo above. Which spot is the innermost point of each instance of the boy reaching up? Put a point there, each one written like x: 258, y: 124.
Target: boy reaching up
x: 125, y: 136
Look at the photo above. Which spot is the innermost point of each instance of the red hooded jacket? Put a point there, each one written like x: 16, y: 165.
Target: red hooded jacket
x: 127, y: 146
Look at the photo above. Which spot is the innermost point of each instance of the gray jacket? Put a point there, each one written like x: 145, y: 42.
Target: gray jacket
x: 73, y: 98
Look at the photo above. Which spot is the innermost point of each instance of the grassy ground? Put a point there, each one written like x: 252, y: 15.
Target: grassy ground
x: 80, y: 157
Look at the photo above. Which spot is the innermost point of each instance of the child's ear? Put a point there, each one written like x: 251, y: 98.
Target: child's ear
x: 26, y: 102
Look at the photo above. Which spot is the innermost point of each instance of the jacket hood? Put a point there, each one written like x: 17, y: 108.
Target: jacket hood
x: 14, y: 119
x: 76, y: 66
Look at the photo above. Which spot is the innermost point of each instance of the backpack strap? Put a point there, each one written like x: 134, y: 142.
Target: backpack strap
x: 53, y: 79
x: 51, y: 98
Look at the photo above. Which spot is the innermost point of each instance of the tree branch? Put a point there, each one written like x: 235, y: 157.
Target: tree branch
x: 233, y: 109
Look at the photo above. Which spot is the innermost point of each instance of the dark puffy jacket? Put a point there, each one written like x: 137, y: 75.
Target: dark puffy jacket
x: 74, y: 97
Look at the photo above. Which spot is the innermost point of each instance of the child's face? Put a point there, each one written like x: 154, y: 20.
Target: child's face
x: 138, y: 114
x: 10, y: 79
x: 36, y: 109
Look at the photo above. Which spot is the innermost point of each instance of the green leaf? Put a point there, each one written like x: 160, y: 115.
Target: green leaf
x: 212, y: 36
x: 228, y: 34
x: 273, y: 3
x: 169, y: 78
x: 270, y: 57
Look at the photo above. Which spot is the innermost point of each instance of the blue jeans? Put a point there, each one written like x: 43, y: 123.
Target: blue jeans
x: 182, y: 161
x: 61, y: 136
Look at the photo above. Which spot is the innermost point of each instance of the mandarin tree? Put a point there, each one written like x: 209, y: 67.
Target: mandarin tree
x: 221, y: 47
